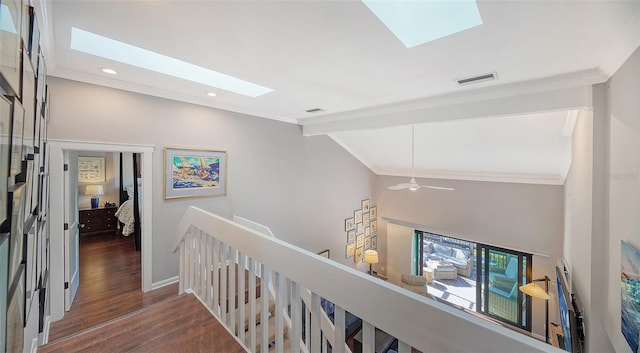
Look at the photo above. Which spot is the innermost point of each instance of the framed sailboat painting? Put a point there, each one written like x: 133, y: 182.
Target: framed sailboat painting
x: 194, y: 173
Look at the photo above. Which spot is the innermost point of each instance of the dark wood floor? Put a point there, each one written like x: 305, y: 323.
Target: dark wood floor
x: 179, y: 325
x: 110, y: 285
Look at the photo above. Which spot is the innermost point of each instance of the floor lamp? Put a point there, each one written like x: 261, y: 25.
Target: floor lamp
x: 535, y: 291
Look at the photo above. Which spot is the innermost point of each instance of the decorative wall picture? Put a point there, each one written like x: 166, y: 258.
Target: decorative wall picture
x: 373, y: 213
x: 351, y: 236
x: 630, y: 290
x: 374, y: 227
x: 358, y: 255
x: 17, y: 129
x: 5, y: 146
x: 367, y: 231
x: 17, y: 199
x: 357, y: 215
x: 360, y: 240
x: 28, y: 95
x: 91, y: 170
x: 365, y: 206
x: 31, y: 283
x: 367, y: 243
x: 11, y: 24
x: 4, y: 288
x: 194, y: 173
x: 365, y: 219
x: 16, y: 313
x: 349, y: 224
x: 350, y: 250
x: 374, y: 243
x: 359, y: 228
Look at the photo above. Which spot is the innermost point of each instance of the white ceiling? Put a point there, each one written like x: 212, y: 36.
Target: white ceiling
x: 336, y: 55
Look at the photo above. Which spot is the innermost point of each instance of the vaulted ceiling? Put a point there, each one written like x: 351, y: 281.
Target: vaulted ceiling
x: 339, y: 57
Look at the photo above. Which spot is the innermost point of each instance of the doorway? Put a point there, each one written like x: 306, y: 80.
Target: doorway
x: 58, y: 203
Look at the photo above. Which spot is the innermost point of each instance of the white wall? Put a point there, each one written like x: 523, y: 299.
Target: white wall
x: 522, y: 217
x: 301, y: 187
x: 624, y: 185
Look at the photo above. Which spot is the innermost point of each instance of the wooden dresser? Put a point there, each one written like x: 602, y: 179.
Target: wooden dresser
x: 97, y: 220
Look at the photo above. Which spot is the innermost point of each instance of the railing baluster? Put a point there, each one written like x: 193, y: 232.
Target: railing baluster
x: 241, y: 296
x: 264, y: 318
x: 339, y: 323
x: 181, y: 284
x: 307, y: 326
x: 199, y: 262
x: 210, y: 269
x: 368, y: 337
x: 279, y: 321
x: 315, y: 323
x: 252, y: 304
x: 296, y: 317
x: 403, y: 347
x: 224, y: 273
x: 217, y: 267
x: 234, y: 295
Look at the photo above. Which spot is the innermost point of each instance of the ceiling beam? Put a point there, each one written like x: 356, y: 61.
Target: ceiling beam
x: 567, y: 92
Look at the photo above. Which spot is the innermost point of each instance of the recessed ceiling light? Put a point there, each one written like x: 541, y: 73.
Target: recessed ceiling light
x: 109, y: 71
x: 418, y: 22
x: 112, y: 49
x: 211, y: 94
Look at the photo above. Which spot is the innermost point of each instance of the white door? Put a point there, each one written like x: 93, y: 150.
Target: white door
x: 71, y: 232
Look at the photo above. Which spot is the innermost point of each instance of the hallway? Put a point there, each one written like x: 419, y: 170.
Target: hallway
x: 110, y: 282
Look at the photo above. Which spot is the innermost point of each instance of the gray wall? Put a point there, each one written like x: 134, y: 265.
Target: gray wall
x: 623, y: 113
x: 301, y: 187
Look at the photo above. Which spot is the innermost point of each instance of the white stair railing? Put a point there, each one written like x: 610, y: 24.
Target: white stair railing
x: 214, y: 253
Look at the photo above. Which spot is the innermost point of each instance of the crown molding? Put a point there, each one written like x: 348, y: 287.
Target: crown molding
x: 159, y: 92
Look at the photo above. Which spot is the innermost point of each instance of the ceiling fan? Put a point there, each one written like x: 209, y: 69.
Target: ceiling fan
x: 412, y: 185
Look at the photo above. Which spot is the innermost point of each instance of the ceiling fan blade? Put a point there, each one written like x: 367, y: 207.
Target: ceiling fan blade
x: 436, y: 187
x: 399, y: 186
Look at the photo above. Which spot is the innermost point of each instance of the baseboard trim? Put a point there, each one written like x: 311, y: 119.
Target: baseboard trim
x: 45, y: 330
x: 165, y: 282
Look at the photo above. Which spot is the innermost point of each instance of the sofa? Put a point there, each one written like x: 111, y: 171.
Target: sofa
x: 416, y: 284
x: 460, y: 259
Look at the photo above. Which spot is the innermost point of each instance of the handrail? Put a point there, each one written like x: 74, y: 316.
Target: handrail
x: 414, y: 320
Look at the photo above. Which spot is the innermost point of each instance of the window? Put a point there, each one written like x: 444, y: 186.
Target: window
x: 476, y: 276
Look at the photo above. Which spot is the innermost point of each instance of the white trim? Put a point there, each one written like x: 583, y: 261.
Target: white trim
x: 162, y: 93
x: 45, y: 330
x: 57, y: 202
x: 253, y: 225
x: 165, y: 282
x: 34, y: 345
x: 565, y: 92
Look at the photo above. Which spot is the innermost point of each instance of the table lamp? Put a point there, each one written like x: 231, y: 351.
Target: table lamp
x: 94, y: 191
x: 371, y: 257
x: 535, y: 291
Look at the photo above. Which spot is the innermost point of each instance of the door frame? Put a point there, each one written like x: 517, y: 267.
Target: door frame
x: 57, y: 204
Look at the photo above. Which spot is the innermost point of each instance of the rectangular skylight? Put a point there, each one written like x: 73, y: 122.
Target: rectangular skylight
x: 418, y: 22
x: 111, y: 49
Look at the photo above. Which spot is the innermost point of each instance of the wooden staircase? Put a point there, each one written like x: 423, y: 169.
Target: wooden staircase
x: 180, y: 324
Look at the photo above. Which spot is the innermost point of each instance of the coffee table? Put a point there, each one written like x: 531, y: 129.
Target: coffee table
x: 442, y: 269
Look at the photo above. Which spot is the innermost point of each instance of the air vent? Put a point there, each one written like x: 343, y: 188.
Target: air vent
x: 477, y: 79
x: 314, y: 110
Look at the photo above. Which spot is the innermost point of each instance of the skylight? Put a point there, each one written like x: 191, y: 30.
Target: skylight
x: 418, y: 22
x: 112, y: 49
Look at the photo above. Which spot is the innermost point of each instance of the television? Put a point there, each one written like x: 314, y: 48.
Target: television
x: 572, y: 339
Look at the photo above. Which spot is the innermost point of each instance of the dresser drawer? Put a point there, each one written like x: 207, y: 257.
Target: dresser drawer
x: 97, y: 220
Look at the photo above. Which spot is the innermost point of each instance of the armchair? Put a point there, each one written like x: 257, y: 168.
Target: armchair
x: 416, y: 284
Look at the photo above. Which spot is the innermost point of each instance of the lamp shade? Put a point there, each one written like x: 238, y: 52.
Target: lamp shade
x: 94, y: 190
x: 534, y: 290
x: 371, y: 256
